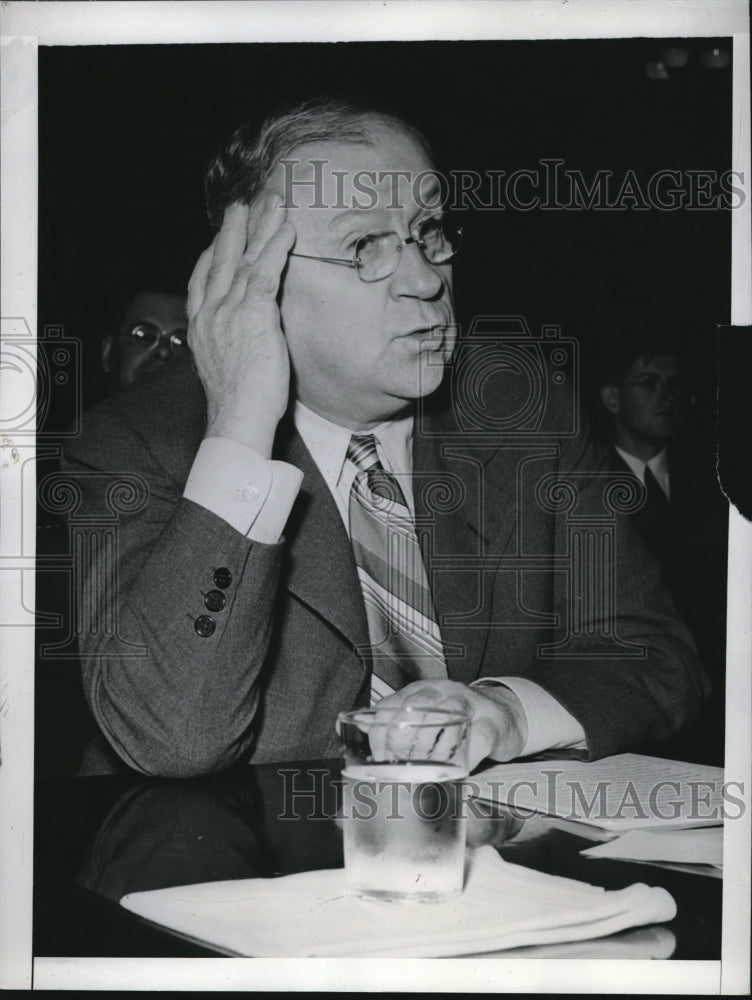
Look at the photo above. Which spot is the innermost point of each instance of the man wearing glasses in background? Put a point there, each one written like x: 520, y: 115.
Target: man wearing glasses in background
x: 150, y: 329
x: 288, y: 557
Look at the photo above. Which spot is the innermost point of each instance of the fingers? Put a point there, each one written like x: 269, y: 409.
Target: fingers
x: 259, y: 270
x: 266, y: 270
x: 416, y: 693
x: 377, y: 743
x: 451, y: 741
x: 245, y: 233
x: 429, y: 694
x: 206, y: 276
x: 430, y: 742
x: 197, y: 283
x: 389, y: 741
x: 416, y: 735
x: 264, y: 219
x: 232, y: 237
x: 228, y: 247
x: 497, y: 726
x: 254, y: 242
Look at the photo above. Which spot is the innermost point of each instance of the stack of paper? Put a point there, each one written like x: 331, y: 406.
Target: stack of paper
x: 698, y: 851
x: 315, y: 914
x: 624, y: 792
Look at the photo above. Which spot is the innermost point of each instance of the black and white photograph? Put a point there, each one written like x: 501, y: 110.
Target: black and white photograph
x: 374, y: 583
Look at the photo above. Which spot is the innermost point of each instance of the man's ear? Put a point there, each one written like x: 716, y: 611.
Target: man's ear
x: 107, y: 343
x: 610, y: 398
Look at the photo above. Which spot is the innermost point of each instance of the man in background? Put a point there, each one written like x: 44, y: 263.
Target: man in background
x: 646, y: 391
x: 645, y: 394
x: 150, y: 329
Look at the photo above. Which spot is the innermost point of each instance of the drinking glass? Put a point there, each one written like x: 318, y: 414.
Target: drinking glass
x: 403, y: 821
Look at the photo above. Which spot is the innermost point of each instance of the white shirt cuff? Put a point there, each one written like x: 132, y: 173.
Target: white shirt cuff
x: 253, y: 494
x: 549, y: 725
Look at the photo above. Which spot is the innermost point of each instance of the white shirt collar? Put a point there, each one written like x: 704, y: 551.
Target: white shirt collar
x: 658, y: 465
x: 328, y: 443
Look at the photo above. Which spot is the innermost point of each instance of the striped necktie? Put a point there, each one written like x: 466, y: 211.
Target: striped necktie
x: 405, y: 638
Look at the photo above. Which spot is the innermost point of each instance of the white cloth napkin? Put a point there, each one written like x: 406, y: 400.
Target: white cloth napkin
x: 316, y: 914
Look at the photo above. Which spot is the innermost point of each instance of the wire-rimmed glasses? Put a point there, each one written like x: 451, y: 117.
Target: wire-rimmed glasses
x: 377, y: 255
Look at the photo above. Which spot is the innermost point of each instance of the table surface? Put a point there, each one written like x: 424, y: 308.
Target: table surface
x: 98, y: 838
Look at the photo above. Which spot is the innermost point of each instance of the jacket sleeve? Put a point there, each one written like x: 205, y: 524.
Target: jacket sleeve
x: 622, y: 662
x: 172, y: 650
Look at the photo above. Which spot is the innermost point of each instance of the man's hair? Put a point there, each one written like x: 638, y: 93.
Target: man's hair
x: 616, y: 359
x: 125, y: 289
x: 630, y: 334
x: 240, y: 168
x: 627, y: 339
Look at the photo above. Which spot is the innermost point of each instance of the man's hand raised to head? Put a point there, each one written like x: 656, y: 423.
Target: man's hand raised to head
x: 234, y: 328
x: 498, y: 728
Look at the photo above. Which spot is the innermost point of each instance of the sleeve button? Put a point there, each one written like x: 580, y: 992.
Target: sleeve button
x: 204, y: 626
x: 222, y: 578
x: 215, y: 600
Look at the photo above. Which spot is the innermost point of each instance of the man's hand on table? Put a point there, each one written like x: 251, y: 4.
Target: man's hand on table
x: 234, y: 328
x: 498, y: 728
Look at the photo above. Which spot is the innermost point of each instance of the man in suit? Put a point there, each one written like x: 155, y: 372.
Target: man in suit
x: 644, y: 393
x: 645, y: 389
x: 311, y: 523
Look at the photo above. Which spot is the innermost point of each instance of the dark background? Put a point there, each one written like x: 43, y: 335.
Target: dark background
x: 125, y: 133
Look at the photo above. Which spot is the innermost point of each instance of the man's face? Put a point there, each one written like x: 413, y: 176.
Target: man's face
x: 360, y: 351
x: 649, y: 400
x: 151, y: 333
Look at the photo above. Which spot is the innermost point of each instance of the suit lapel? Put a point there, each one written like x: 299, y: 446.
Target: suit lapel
x: 481, y: 525
x: 321, y: 569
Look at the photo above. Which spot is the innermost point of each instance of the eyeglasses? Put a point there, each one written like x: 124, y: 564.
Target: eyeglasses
x: 377, y: 255
x: 653, y: 384
x: 149, y: 336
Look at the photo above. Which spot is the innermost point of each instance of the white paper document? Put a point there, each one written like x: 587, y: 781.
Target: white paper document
x: 625, y: 792
x: 315, y: 914
x: 688, y: 847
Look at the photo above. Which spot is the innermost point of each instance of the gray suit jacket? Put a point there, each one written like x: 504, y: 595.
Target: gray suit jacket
x: 505, y: 528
